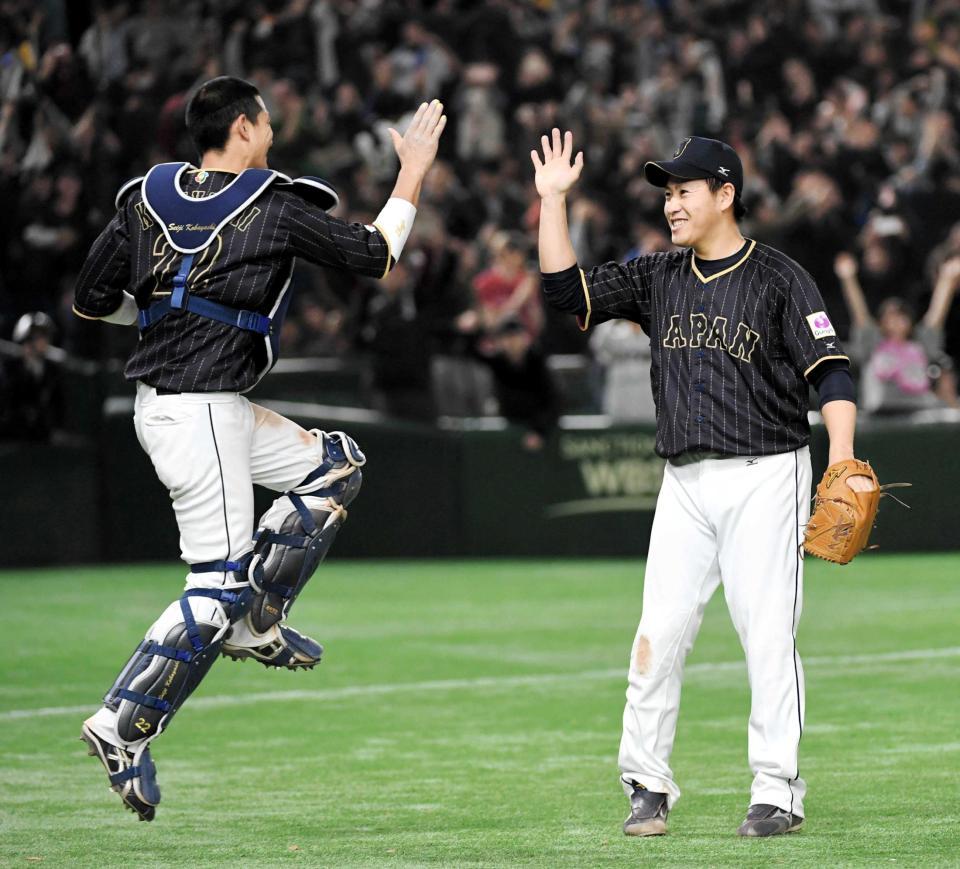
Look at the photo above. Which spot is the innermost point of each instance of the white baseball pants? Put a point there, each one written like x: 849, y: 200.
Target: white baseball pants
x: 209, y: 449
x: 740, y: 521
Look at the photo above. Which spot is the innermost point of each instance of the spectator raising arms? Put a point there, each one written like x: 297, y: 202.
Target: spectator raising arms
x: 899, y: 358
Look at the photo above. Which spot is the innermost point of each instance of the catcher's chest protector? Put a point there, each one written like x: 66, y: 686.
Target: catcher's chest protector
x: 190, y: 225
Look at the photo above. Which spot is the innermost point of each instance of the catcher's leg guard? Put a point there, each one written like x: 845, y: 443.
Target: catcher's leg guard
x: 177, y: 653
x: 294, y: 536
x: 164, y: 669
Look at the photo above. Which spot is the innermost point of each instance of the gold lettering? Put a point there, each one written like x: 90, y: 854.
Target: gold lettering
x: 698, y: 328
x: 146, y: 221
x: 170, y: 678
x: 244, y: 220
x: 744, y: 342
x: 674, y: 337
x: 718, y: 334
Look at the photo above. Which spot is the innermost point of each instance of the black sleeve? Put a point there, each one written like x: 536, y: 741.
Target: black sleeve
x: 834, y: 383
x: 620, y: 291
x: 106, y: 272
x: 606, y: 292
x: 808, y: 333
x: 564, y: 290
x: 328, y: 241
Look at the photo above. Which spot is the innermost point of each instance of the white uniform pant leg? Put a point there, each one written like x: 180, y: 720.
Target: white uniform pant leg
x: 199, y: 444
x: 760, y: 529
x: 282, y: 453
x: 680, y: 577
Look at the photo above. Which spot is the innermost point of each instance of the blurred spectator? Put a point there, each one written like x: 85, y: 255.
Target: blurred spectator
x: 322, y: 330
x: 399, y: 352
x: 31, y: 394
x: 509, y: 289
x: 623, y: 351
x: 844, y: 112
x: 525, y: 392
x: 897, y: 357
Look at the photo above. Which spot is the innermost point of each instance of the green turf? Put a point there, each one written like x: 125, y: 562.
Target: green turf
x: 469, y: 714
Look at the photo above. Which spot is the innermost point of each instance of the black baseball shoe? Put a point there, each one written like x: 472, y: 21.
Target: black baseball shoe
x: 282, y: 647
x: 648, y: 813
x: 132, y: 774
x: 766, y: 820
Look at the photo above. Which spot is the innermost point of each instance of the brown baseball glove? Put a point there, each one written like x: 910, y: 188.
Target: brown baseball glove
x: 842, y: 519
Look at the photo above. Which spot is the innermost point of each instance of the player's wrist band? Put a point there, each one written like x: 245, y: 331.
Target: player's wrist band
x: 125, y: 313
x: 395, y: 221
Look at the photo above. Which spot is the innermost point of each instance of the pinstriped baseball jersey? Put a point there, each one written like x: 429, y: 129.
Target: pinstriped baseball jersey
x: 731, y: 351
x: 246, y: 267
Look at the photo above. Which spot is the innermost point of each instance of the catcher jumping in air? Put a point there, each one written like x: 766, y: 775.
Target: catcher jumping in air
x: 201, y: 259
x: 738, y: 332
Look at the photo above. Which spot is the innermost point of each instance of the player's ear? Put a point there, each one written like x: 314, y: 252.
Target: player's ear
x: 725, y: 196
x: 241, y: 127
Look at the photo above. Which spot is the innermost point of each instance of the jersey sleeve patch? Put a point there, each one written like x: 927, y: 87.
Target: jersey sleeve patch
x: 820, y: 325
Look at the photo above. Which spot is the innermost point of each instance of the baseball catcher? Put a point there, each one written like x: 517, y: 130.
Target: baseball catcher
x: 200, y: 259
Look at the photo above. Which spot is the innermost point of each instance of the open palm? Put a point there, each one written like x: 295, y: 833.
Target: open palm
x: 556, y: 174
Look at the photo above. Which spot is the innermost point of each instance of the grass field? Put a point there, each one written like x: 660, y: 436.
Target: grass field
x: 469, y: 714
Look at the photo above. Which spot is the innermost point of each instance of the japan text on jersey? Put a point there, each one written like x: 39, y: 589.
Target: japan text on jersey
x: 731, y: 351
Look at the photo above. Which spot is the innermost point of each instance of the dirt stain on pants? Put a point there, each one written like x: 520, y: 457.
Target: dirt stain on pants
x: 641, y: 656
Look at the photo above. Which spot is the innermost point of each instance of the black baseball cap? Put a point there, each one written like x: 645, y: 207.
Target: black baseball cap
x: 696, y: 157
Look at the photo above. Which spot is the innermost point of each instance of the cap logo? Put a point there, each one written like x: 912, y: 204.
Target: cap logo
x: 681, y: 148
x: 723, y: 170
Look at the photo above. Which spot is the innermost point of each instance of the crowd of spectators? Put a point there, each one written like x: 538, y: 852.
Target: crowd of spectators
x: 844, y: 112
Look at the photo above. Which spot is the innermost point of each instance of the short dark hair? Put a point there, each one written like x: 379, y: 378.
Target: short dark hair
x: 901, y: 306
x: 215, y: 106
x: 739, y: 209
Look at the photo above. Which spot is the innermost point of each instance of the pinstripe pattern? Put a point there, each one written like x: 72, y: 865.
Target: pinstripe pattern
x: 247, y: 267
x: 707, y: 398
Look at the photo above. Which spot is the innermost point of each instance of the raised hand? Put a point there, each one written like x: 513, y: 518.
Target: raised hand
x: 845, y: 266
x: 555, y: 174
x: 950, y: 272
x: 417, y: 147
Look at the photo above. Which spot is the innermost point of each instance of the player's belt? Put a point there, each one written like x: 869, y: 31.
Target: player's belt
x: 180, y: 300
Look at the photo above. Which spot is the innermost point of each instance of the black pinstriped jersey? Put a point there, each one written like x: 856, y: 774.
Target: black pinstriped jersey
x: 731, y: 352
x: 246, y: 267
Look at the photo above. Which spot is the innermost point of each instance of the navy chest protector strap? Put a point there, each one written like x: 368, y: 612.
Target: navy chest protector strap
x: 189, y: 226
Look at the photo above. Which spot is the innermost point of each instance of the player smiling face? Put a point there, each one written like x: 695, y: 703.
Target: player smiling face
x: 694, y: 211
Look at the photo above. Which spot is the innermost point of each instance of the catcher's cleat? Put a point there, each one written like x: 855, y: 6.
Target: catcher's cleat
x: 281, y: 646
x: 132, y: 774
x: 648, y: 813
x: 766, y: 820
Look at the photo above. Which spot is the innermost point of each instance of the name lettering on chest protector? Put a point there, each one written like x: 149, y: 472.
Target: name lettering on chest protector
x: 703, y: 333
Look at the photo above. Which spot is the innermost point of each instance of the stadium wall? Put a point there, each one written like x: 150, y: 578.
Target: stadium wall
x: 431, y: 492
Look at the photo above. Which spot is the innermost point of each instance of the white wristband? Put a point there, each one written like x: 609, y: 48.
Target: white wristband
x: 126, y: 313
x: 395, y: 221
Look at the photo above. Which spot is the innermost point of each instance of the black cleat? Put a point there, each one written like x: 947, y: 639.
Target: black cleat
x: 648, y: 813
x: 132, y: 775
x: 283, y: 647
x: 766, y: 820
